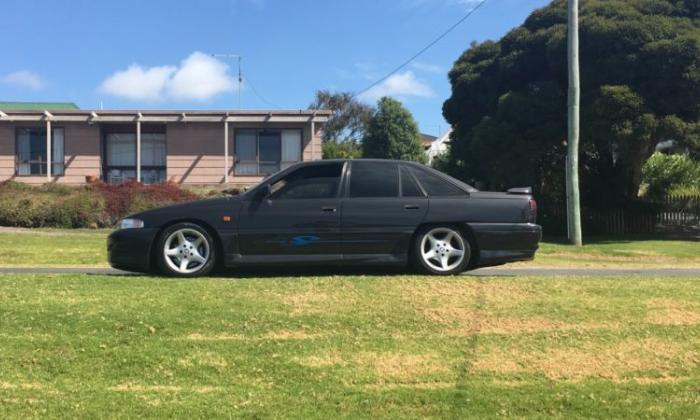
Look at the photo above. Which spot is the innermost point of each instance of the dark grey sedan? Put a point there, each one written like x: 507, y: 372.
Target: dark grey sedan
x: 351, y: 212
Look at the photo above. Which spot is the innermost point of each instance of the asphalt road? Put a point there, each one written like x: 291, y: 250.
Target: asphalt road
x: 494, y: 271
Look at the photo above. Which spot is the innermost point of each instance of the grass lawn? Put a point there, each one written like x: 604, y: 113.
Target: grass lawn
x: 349, y: 346
x: 625, y: 252
x: 56, y: 247
x: 53, y: 247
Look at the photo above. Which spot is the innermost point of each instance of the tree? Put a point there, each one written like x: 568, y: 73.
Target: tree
x: 349, y: 116
x: 392, y: 133
x: 341, y: 150
x: 640, y: 74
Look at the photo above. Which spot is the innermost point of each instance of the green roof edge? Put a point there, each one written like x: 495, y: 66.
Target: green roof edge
x: 36, y: 106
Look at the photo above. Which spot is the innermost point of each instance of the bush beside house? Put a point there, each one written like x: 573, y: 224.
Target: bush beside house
x: 665, y: 175
x: 91, y: 206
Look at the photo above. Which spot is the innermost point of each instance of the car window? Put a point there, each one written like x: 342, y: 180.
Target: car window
x: 317, y: 181
x: 409, y: 188
x: 435, y: 185
x: 374, y: 179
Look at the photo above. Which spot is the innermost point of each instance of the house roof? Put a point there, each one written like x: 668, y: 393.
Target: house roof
x: 427, y: 139
x: 99, y: 115
x: 37, y: 106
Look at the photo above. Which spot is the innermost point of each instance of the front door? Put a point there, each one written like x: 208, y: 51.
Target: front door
x: 381, y: 211
x: 301, y: 216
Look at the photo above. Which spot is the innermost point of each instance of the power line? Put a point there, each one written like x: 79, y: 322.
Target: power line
x: 424, y: 49
x: 259, y: 96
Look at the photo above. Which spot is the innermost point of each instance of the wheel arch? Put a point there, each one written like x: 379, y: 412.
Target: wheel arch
x: 218, y: 243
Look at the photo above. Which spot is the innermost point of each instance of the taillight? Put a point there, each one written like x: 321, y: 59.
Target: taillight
x: 533, y: 210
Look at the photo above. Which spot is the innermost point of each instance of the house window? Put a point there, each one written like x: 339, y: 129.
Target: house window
x: 31, y: 151
x: 120, y: 157
x: 264, y: 152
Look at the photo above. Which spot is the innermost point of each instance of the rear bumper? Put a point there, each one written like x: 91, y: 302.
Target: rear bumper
x: 501, y: 243
x: 130, y: 249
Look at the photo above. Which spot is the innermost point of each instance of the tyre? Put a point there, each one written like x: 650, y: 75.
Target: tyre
x: 441, y: 250
x: 186, y: 250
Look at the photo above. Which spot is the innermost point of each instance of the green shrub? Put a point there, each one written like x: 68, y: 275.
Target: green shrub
x: 83, y: 209
x: 347, y: 149
x: 670, y: 174
x: 92, y: 206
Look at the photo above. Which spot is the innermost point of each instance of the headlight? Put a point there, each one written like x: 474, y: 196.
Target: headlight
x: 130, y: 224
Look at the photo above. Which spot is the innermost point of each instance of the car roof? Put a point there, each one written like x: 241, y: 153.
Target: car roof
x: 468, y: 188
x: 320, y: 162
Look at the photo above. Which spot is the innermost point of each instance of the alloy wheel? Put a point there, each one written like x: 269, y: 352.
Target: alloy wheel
x: 442, y: 249
x: 186, y: 251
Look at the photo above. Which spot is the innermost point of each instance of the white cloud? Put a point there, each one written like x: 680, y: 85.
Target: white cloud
x: 139, y: 84
x: 427, y: 67
x: 399, y: 85
x: 199, y: 77
x: 24, y: 79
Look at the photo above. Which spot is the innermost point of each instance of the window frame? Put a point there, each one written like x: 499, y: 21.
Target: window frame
x: 127, y: 129
x: 407, y: 169
x: 338, y: 192
x: 257, y: 161
x: 348, y: 179
x: 43, y: 164
x: 414, y: 167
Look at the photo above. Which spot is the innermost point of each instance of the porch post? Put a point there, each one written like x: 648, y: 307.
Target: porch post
x: 313, y: 145
x: 48, y: 146
x: 225, y: 150
x: 138, y: 148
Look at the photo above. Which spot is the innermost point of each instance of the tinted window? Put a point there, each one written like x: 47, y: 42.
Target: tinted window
x: 318, y: 181
x: 374, y: 179
x: 409, y: 188
x: 435, y: 185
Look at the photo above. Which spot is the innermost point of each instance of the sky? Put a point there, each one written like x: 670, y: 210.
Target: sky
x: 157, y: 54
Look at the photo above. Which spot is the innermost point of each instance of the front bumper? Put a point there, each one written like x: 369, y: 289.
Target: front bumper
x: 501, y: 243
x: 130, y: 249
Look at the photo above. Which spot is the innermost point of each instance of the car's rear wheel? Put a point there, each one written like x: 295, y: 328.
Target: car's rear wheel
x: 442, y: 250
x: 186, y: 250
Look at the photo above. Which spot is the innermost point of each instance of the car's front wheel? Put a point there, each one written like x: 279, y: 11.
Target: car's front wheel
x: 442, y: 250
x: 186, y: 250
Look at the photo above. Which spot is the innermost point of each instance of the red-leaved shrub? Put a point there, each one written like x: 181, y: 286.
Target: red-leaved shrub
x: 93, y: 205
x: 130, y: 197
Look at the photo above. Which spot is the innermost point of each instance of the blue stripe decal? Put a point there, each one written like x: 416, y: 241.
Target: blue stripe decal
x: 304, y: 240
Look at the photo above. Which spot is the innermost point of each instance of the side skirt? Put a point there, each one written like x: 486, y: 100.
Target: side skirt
x: 321, y: 259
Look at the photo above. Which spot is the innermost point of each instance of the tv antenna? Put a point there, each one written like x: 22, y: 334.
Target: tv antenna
x: 238, y: 57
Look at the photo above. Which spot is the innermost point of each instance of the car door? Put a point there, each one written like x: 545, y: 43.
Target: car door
x: 382, y: 207
x: 300, y: 215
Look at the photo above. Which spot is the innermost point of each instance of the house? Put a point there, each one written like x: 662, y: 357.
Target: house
x: 438, y: 146
x: 426, y: 140
x: 57, y: 142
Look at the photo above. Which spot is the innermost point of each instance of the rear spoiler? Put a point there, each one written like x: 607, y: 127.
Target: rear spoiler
x: 521, y: 191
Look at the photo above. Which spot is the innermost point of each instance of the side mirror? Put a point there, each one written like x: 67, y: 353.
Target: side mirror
x: 264, y: 192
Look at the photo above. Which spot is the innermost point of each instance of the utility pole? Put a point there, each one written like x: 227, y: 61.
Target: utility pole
x: 240, y: 75
x: 573, y: 205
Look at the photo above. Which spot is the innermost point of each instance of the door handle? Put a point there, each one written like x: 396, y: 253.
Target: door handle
x: 329, y: 209
x: 411, y: 207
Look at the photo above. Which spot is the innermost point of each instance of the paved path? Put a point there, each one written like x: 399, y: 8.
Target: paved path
x: 494, y: 271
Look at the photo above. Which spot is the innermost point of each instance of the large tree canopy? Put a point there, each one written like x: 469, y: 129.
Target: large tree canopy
x: 640, y: 84
x: 392, y: 133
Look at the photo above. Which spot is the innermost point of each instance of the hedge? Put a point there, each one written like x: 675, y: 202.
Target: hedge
x: 90, y: 206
